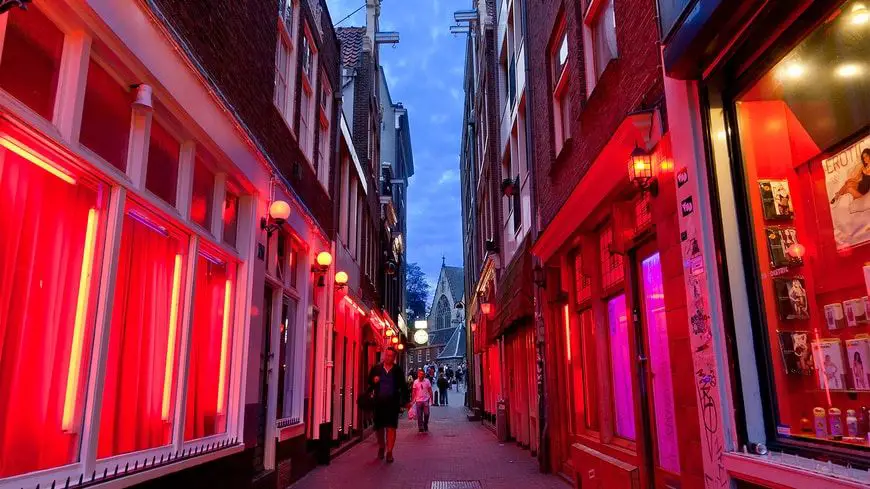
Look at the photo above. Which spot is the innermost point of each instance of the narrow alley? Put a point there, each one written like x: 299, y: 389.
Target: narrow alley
x: 455, y: 454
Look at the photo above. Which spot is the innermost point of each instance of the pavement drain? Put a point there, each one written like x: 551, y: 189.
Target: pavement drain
x: 456, y: 485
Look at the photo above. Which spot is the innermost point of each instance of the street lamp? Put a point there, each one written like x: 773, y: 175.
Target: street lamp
x: 640, y: 171
x: 279, y: 212
x: 341, y: 280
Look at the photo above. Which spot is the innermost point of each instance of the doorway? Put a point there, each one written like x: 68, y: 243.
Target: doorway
x: 660, y: 449
x: 265, y: 372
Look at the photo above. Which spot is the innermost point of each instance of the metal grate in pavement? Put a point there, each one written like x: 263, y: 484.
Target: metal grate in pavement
x: 456, y: 485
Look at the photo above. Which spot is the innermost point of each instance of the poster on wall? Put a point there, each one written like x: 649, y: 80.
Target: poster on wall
x: 858, y: 354
x: 828, y: 356
x: 847, y: 180
x: 796, y: 354
x: 776, y: 199
x: 791, y: 298
x: 781, y: 245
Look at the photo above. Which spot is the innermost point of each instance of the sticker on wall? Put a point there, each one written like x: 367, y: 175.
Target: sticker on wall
x: 687, y: 206
x: 684, y: 236
x: 848, y: 184
x: 682, y: 177
x: 776, y: 199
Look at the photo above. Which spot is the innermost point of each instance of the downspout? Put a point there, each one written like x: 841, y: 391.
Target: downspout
x: 540, y: 330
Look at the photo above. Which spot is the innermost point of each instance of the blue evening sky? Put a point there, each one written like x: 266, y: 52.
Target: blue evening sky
x: 425, y: 71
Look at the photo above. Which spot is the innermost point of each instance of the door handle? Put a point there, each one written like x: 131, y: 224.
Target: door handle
x: 642, y: 359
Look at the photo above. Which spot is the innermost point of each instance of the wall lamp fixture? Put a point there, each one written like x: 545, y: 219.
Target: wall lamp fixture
x: 279, y: 212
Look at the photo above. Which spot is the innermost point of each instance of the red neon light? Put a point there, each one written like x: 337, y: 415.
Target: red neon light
x: 36, y: 160
x: 170, y: 350
x: 568, y: 331
x: 75, y: 357
x: 225, y: 339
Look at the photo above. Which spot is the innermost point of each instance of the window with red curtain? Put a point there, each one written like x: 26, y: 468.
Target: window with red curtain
x: 163, y: 152
x: 203, y: 192
x: 106, y: 116
x: 210, y: 352
x: 589, y: 354
x: 50, y: 235
x: 30, y: 63
x: 231, y: 217
x: 142, y: 360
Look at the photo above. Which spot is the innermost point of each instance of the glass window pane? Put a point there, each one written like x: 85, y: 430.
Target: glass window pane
x: 604, y: 37
x: 655, y: 318
x: 50, y: 237
x: 589, y: 345
x: 621, y: 367
x: 231, y: 218
x: 142, y: 360
x: 211, y: 349
x: 30, y: 65
x: 806, y: 150
x: 612, y: 272
x: 106, y: 116
x: 286, y: 356
x: 203, y: 193
x: 163, y: 152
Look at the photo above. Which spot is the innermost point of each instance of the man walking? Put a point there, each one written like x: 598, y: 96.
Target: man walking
x: 388, y: 383
x: 421, y: 395
x: 442, y: 389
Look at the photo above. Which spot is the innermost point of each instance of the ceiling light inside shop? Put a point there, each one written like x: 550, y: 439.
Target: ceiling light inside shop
x: 793, y: 71
x: 860, y: 14
x: 848, y: 70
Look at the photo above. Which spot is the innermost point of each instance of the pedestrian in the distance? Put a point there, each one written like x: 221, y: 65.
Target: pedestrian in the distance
x: 449, y: 378
x: 431, y: 378
x: 442, y: 389
x: 391, y: 391
x: 421, y: 396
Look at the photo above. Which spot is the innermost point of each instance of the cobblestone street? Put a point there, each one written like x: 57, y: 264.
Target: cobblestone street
x: 453, y: 450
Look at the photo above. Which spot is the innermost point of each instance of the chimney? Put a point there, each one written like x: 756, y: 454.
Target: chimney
x: 373, y: 14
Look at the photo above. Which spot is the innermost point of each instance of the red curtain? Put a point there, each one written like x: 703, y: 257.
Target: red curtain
x: 210, y: 343
x: 43, y: 227
x: 134, y: 416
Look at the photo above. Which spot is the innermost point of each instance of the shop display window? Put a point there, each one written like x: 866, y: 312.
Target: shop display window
x: 210, y: 350
x: 138, y: 407
x: 30, y: 62
x: 286, y: 356
x: 106, y: 116
x: 51, y: 235
x: 162, y: 172
x: 203, y: 192
x: 589, y: 349
x: 804, y: 134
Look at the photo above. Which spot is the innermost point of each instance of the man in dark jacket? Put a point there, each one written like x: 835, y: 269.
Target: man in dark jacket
x: 388, y: 383
x: 430, y: 375
x: 442, y: 389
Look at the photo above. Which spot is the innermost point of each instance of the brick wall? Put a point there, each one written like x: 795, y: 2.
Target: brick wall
x: 628, y: 82
x: 234, y: 43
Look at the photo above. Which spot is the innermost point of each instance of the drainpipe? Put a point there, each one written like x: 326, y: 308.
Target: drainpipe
x: 540, y: 330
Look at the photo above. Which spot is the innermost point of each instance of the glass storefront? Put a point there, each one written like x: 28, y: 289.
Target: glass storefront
x: 803, y: 131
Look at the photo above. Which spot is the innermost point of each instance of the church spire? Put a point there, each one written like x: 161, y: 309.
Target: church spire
x: 443, y: 261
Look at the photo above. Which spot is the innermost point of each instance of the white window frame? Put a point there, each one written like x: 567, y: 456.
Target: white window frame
x: 324, y: 148
x: 597, y: 11
x: 561, y: 78
x: 308, y: 111
x: 288, y: 28
x: 129, y: 185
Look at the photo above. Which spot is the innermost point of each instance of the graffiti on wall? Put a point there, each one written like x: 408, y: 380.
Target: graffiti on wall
x: 700, y: 324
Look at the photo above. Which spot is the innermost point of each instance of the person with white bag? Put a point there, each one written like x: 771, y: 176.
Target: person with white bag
x: 421, y: 396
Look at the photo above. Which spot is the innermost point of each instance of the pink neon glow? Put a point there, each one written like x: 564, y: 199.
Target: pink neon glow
x: 660, y: 363
x: 170, y: 349
x: 75, y: 358
x: 225, y: 338
x: 620, y: 360
x: 36, y: 160
x: 567, y: 313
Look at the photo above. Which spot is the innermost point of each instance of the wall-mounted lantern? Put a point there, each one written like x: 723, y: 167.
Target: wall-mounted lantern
x: 279, y: 212
x: 640, y: 171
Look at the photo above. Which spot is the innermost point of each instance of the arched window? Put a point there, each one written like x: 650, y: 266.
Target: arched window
x: 442, y: 313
